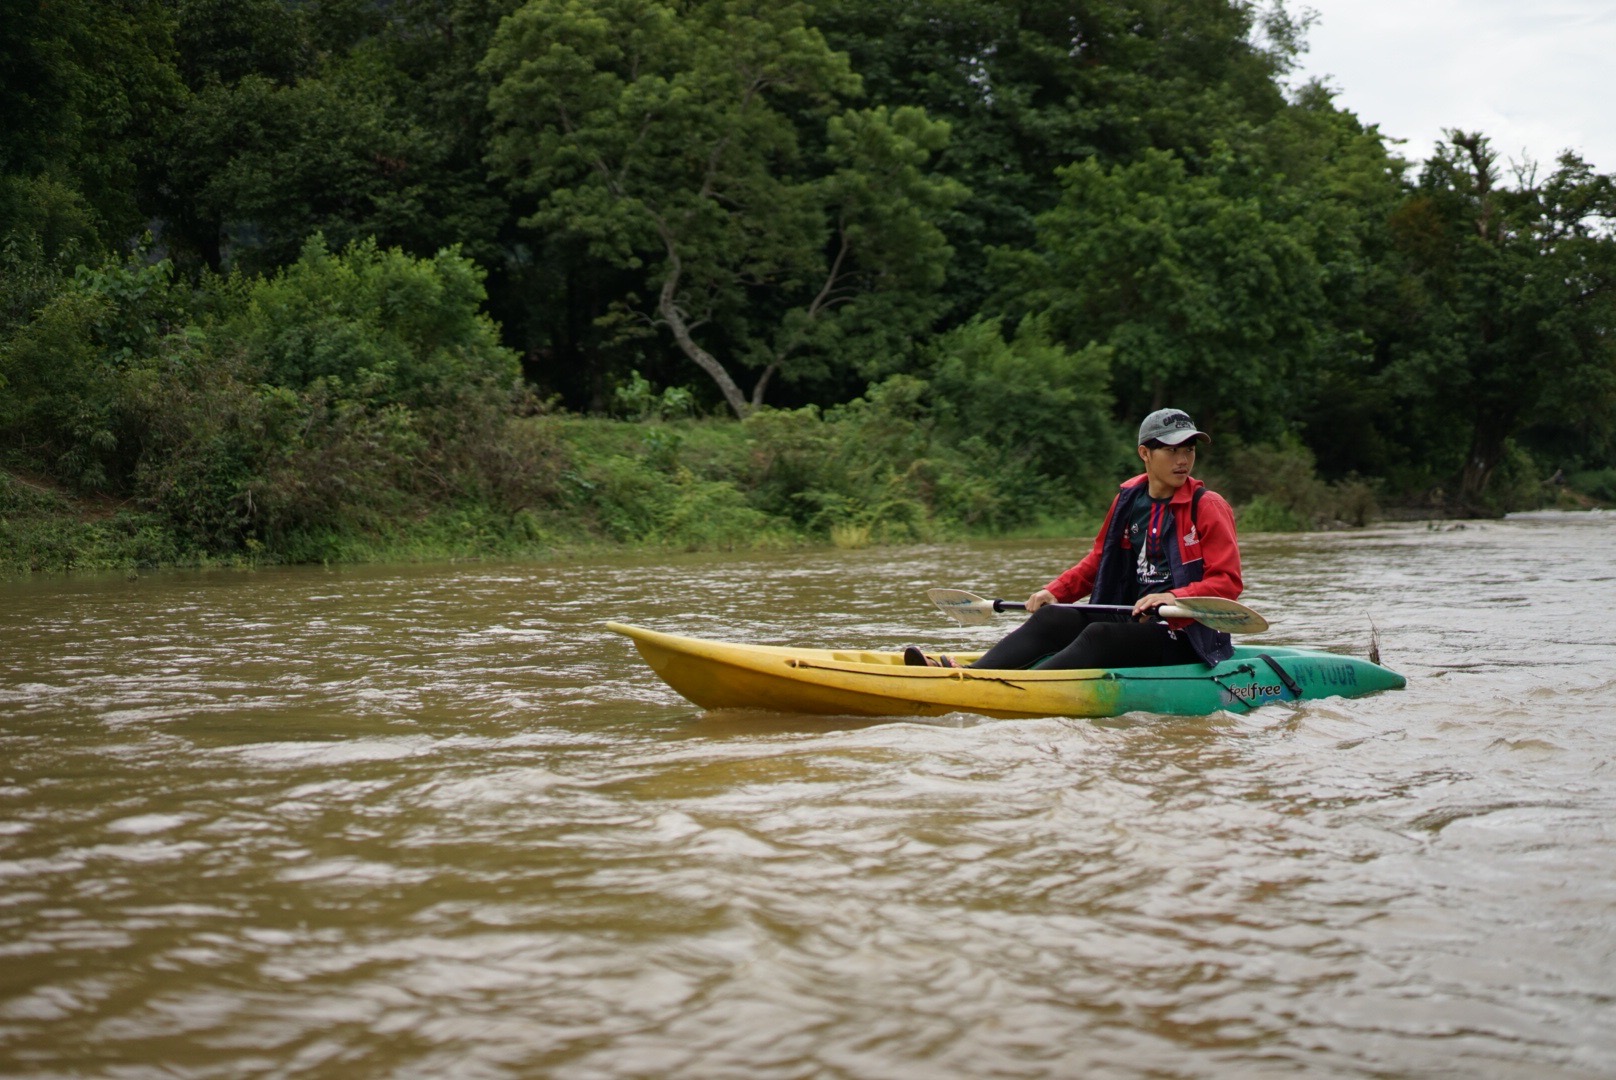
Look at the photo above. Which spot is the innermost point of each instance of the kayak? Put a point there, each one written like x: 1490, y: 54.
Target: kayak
x: 854, y: 682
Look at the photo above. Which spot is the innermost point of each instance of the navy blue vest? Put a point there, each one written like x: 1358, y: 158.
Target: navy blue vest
x: 1114, y: 581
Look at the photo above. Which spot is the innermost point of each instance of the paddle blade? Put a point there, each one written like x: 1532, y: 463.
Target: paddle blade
x: 1216, y: 612
x: 965, y: 608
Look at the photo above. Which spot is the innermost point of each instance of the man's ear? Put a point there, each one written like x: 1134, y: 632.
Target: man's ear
x: 1144, y: 453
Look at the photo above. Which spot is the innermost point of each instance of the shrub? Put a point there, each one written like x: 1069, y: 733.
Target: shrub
x: 1354, y: 501
x: 380, y: 324
x: 45, y: 531
x: 790, y: 451
x: 633, y: 504
x: 1282, y: 473
x: 710, y: 514
x: 345, y: 392
x: 1263, y: 514
x: 637, y: 401
x: 1277, y: 489
x: 1516, y: 484
x: 1032, y: 416
x: 66, y: 371
x: 46, y: 229
x: 487, y: 441
x: 1596, y: 483
x: 58, y: 411
x: 865, y: 465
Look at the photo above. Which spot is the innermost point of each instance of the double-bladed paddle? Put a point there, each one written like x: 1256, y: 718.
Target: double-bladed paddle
x: 968, y: 609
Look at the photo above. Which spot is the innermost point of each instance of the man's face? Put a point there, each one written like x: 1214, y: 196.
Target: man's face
x: 1169, y: 466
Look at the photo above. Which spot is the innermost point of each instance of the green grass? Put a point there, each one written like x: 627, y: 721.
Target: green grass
x: 43, y: 530
x: 796, y: 480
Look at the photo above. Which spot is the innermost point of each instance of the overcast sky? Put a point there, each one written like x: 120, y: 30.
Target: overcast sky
x: 1536, y: 76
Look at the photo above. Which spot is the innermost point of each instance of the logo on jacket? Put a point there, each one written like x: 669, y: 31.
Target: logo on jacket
x: 1192, y: 537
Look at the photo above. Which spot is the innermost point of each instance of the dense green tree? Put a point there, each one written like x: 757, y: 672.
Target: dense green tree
x: 1503, y: 311
x: 429, y: 54
x: 224, y: 41
x: 255, y: 167
x: 1207, y: 296
x: 543, y: 286
x: 1342, y: 178
x: 1030, y: 86
x: 885, y: 256
x: 84, y: 86
x: 341, y: 117
x: 672, y: 136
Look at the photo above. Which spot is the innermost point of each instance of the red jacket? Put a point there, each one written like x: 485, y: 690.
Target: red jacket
x: 1208, y: 556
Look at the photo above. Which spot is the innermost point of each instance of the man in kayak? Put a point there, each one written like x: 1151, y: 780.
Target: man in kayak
x: 1166, y: 535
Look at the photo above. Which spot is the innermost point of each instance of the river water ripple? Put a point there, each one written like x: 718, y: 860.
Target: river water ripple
x: 433, y: 821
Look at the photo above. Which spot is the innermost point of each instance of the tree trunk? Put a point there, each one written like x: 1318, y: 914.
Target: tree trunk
x: 763, y: 384
x: 1485, y: 454
x: 668, y: 308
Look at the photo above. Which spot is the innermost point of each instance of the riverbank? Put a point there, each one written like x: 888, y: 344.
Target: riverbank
x: 44, y: 531
x: 559, y: 485
x: 547, y: 485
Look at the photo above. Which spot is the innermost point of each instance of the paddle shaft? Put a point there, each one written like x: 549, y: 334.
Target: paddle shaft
x: 1166, y: 611
x: 969, y: 609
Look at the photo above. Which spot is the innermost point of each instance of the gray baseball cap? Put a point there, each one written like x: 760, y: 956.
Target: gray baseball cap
x: 1170, y: 426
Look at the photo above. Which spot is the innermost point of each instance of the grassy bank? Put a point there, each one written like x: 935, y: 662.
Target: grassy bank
x: 865, y: 475
x: 357, y: 405
x: 781, y: 480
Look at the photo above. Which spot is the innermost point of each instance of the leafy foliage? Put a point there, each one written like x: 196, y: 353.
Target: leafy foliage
x: 66, y: 370
x: 680, y: 138
x: 1497, y: 313
x: 1035, y: 415
x: 1206, y: 295
x: 85, y: 87
x: 344, y: 392
x: 385, y: 326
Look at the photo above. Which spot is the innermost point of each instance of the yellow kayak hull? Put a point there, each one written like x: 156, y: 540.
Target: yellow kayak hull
x: 852, y: 682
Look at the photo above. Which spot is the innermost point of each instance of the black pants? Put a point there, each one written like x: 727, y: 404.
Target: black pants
x: 1073, y: 638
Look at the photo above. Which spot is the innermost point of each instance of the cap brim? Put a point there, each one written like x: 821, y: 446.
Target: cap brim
x: 1183, y: 437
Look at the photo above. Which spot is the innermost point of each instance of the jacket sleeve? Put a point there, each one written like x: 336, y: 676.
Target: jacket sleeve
x: 1220, y: 552
x: 1078, y: 582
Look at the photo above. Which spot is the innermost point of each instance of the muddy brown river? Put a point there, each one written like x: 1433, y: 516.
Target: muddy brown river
x: 433, y: 821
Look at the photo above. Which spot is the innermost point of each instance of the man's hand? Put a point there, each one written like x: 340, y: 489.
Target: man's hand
x: 1145, y: 607
x: 1039, y: 599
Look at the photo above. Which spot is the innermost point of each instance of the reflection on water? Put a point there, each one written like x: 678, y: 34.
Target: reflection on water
x: 433, y: 821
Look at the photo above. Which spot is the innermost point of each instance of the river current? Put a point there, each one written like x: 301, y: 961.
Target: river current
x: 434, y: 821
